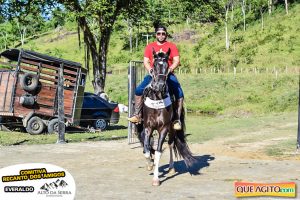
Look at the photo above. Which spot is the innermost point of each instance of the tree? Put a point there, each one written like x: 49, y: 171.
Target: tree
x: 244, y: 12
x: 95, y: 19
x: 5, y: 35
x: 261, y: 5
x: 286, y: 7
x: 105, y: 13
x: 226, y: 6
x: 270, y: 6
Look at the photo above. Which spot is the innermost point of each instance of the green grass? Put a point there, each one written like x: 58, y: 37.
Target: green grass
x: 241, y: 95
x: 17, y: 138
x: 114, y: 132
x: 224, y: 94
x: 201, y: 129
x: 285, y: 147
x: 279, y: 130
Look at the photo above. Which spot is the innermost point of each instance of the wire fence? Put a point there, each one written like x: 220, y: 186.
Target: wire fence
x: 230, y: 70
x: 241, y: 70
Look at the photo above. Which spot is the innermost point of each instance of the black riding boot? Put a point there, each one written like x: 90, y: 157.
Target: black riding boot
x: 178, y: 111
x: 137, y: 115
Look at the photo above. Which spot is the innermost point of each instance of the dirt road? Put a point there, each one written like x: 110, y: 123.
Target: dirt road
x: 115, y: 170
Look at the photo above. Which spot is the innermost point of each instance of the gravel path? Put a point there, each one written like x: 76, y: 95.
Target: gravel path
x: 115, y: 170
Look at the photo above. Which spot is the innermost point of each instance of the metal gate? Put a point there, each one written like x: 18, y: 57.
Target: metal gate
x: 136, y: 73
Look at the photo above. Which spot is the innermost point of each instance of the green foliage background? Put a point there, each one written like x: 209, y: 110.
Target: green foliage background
x: 202, y: 47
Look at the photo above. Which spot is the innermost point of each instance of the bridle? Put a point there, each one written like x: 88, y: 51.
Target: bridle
x: 165, y: 75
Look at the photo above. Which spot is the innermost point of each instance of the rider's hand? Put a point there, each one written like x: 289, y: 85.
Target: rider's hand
x: 171, y: 70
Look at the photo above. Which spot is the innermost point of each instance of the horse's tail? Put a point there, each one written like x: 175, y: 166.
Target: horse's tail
x: 181, y: 147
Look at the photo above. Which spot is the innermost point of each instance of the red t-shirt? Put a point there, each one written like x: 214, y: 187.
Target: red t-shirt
x: 164, y: 48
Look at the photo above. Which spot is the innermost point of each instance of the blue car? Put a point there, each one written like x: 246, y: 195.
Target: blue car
x: 98, y: 113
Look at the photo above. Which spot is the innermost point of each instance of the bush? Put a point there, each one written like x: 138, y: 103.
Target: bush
x: 119, y: 58
x: 254, y: 98
x: 285, y: 102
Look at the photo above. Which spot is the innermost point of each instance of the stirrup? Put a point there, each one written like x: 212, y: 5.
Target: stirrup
x: 177, y: 125
x: 135, y: 119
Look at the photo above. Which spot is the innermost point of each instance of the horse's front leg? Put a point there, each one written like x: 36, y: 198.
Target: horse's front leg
x: 147, y: 148
x: 162, y: 135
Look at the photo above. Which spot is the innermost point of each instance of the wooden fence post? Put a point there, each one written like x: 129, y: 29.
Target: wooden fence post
x: 298, y: 135
x: 234, y: 71
x: 60, y: 102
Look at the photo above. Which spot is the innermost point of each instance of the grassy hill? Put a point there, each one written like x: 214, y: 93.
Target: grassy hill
x: 277, y: 45
x: 200, y: 45
x: 203, y: 46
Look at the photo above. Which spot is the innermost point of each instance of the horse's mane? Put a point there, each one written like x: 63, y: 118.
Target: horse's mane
x: 160, y: 54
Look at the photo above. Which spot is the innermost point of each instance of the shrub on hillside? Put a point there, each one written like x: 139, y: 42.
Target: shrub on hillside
x: 119, y: 58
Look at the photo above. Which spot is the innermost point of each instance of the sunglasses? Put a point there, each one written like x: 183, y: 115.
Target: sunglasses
x: 161, y: 33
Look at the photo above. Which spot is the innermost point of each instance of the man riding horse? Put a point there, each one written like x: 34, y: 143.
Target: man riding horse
x: 161, y: 45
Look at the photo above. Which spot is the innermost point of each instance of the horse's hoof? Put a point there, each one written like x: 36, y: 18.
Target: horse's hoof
x: 155, y: 182
x: 172, y: 171
x: 177, y: 125
x: 150, y: 168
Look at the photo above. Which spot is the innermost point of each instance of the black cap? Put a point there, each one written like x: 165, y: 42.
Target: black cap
x: 160, y: 28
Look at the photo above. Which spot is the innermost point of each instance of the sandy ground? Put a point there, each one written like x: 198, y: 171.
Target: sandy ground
x: 116, y: 170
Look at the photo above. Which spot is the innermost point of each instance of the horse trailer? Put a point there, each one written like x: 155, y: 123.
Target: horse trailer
x: 28, y: 90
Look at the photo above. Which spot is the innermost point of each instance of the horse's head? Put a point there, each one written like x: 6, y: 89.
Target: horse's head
x: 160, y: 71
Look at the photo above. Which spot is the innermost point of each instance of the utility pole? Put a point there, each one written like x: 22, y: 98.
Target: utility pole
x: 137, y: 37
x: 298, y: 136
x: 147, y: 36
x: 61, y: 113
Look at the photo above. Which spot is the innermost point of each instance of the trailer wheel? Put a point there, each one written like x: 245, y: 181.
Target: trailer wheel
x: 29, y: 82
x: 35, y: 126
x: 53, y: 126
x: 101, y: 124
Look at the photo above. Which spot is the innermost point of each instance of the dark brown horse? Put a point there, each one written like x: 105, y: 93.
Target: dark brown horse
x: 158, y: 114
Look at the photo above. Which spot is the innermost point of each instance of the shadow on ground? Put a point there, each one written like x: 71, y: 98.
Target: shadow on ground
x: 71, y: 130
x: 117, y: 127
x: 180, y: 167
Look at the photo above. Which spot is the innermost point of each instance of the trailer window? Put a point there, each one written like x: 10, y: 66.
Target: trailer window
x: 82, y: 80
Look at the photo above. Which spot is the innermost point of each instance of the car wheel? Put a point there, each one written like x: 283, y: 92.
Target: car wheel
x: 100, y: 124
x: 2, y: 123
x: 35, y: 126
